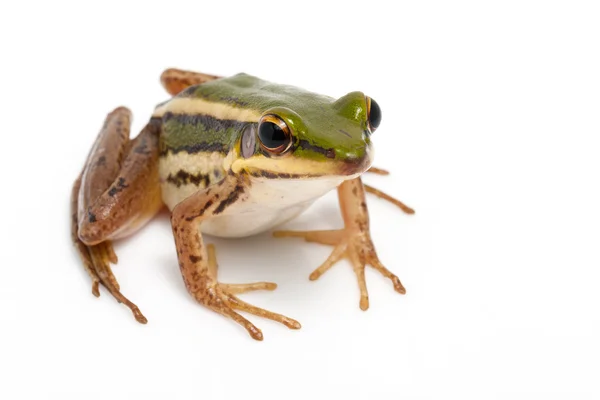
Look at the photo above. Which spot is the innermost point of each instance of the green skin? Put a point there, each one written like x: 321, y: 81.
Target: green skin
x: 321, y: 126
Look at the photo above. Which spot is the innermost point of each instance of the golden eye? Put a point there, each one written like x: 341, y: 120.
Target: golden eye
x: 373, y: 114
x: 274, y: 134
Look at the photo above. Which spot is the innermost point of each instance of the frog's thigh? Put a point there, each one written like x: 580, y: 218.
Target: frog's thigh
x: 176, y: 80
x: 118, y: 197
x: 117, y: 191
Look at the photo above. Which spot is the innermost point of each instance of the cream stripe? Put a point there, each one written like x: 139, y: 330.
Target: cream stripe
x: 197, y: 163
x: 287, y: 165
x: 186, y: 105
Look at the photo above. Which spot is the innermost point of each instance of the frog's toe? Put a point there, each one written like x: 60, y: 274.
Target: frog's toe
x: 330, y: 238
x: 378, y: 171
x: 237, y: 288
x: 221, y: 299
x: 385, y: 196
x: 100, y: 257
x: 237, y: 304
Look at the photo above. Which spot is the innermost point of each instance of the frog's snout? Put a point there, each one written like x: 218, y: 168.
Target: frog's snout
x: 359, y: 161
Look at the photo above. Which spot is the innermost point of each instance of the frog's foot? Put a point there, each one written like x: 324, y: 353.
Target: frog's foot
x: 97, y: 260
x: 221, y: 298
x: 353, y: 242
x: 357, y: 247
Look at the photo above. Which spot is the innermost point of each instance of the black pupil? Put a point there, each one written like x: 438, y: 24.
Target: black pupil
x: 374, y: 115
x: 271, y: 135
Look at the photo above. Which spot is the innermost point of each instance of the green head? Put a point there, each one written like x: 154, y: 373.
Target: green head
x: 304, y: 134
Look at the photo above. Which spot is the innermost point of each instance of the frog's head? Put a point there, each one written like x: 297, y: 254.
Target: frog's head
x: 313, y: 136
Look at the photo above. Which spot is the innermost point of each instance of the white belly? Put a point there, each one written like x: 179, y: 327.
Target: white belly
x: 271, y: 202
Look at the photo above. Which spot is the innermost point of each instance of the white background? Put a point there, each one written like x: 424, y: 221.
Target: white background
x: 491, y: 128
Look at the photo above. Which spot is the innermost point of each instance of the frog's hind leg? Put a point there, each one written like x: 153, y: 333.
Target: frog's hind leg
x: 385, y: 196
x: 117, y: 192
x: 175, y: 80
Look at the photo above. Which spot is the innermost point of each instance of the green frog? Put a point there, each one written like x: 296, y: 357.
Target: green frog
x: 229, y: 157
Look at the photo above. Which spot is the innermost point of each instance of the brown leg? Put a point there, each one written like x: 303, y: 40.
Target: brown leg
x: 378, y: 171
x: 197, y: 262
x: 117, y: 192
x: 386, y: 196
x: 176, y: 80
x: 353, y: 242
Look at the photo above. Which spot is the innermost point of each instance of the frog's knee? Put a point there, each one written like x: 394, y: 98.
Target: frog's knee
x: 91, y: 231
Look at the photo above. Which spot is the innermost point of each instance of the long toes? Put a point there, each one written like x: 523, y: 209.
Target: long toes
x: 385, y: 196
x: 101, y: 266
x: 259, y: 312
x: 235, y: 288
x: 334, y: 257
x: 330, y: 237
x: 398, y: 287
x: 359, y: 269
x: 378, y: 171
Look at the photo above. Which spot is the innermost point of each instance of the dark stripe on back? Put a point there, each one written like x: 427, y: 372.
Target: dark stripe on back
x: 208, y: 121
x: 198, y: 132
x: 197, y: 148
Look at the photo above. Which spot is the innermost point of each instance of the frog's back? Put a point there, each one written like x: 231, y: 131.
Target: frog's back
x: 241, y: 97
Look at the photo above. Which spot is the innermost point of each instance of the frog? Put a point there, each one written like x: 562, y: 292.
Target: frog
x: 229, y: 156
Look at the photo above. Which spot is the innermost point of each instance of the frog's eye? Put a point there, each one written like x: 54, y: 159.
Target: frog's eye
x: 373, y: 114
x: 274, y: 134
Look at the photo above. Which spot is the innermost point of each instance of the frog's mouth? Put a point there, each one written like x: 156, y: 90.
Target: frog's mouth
x: 345, y: 170
x: 288, y: 167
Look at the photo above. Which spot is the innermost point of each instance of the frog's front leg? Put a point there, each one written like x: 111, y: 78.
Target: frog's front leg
x: 197, y: 261
x: 353, y: 242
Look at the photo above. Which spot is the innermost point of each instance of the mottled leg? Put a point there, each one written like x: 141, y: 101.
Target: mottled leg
x: 116, y: 194
x: 353, y: 242
x: 176, y: 80
x: 198, y: 264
